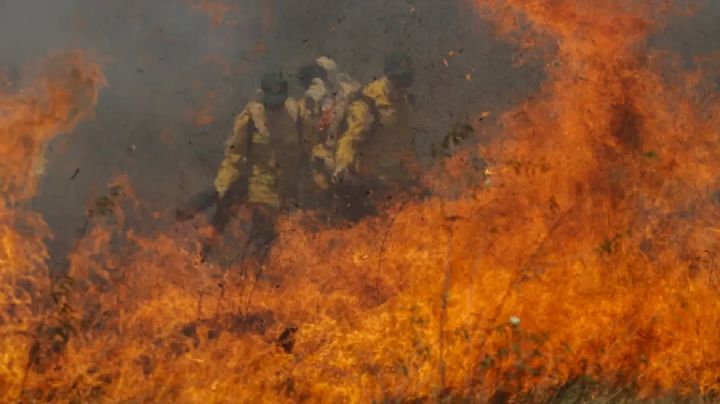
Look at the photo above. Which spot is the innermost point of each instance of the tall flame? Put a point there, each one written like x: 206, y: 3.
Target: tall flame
x: 29, y: 119
x: 588, y: 253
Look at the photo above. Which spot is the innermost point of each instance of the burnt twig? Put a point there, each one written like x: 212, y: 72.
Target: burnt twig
x: 382, y: 248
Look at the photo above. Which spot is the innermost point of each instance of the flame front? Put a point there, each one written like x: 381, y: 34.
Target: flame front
x: 590, y: 253
x: 28, y: 121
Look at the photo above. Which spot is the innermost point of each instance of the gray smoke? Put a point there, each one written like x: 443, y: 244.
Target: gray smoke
x: 161, y: 61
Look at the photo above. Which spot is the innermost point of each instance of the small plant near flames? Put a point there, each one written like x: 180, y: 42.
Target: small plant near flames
x: 514, y: 358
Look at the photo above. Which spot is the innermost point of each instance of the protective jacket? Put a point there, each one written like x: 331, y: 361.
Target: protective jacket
x: 263, y: 151
x: 377, y: 133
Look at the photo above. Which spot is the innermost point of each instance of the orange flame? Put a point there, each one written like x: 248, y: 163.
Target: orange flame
x: 28, y: 120
x: 587, y: 252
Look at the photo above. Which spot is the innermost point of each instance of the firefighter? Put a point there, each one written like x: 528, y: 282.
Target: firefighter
x: 331, y: 197
x: 377, y: 138
x: 314, y: 110
x: 327, y: 96
x: 261, y: 163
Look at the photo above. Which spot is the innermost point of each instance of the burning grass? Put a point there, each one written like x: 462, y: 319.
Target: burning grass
x: 587, y: 254
x: 64, y: 95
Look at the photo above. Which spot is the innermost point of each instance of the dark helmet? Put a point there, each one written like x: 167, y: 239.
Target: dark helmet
x: 274, y: 88
x: 307, y: 73
x: 399, y: 69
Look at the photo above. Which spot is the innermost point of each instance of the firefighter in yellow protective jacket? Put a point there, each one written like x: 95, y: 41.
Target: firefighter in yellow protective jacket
x: 261, y: 161
x: 377, y: 138
x: 316, y: 112
x: 326, y: 99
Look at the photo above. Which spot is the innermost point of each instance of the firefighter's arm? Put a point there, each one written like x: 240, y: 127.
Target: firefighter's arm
x: 235, y: 154
x: 379, y: 92
x: 358, y: 118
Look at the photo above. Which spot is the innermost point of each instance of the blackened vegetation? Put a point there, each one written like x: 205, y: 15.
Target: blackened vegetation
x: 456, y: 136
x: 54, y: 333
x: 51, y: 335
x: 628, y: 123
x: 286, y: 340
x: 107, y: 206
x: 146, y: 363
x: 235, y: 324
